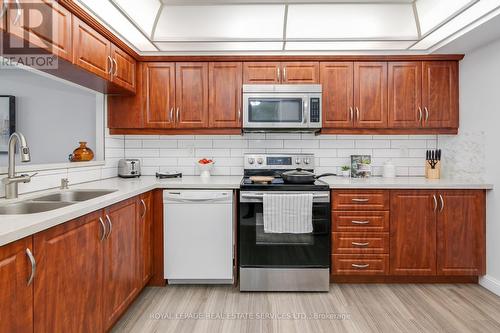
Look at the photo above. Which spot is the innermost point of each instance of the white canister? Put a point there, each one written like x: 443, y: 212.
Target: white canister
x: 389, y: 169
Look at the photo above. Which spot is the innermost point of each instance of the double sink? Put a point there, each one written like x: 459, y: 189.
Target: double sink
x: 52, y: 201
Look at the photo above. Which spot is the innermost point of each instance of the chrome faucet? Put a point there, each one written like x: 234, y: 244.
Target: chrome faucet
x: 11, y: 181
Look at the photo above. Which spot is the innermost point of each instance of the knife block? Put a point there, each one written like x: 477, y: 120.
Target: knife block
x: 433, y: 173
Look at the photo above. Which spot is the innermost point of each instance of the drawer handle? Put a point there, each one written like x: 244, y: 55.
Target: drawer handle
x: 361, y: 222
x: 360, y: 244
x: 360, y: 266
x: 360, y: 200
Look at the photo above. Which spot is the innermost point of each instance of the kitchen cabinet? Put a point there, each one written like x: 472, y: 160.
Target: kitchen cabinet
x: 225, y: 85
x: 413, y: 233
x: 123, y: 73
x: 191, y: 95
x: 405, y: 94
x: 120, y: 260
x: 145, y: 237
x: 337, y: 80
x: 159, y: 94
x: 461, y: 233
x: 281, y: 72
x: 53, y: 35
x: 16, y: 287
x: 69, y: 280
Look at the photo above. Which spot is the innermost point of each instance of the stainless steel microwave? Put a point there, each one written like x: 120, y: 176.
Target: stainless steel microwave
x: 282, y: 107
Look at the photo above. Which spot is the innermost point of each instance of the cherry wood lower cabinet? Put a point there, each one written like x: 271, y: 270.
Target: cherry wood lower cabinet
x: 16, y: 295
x: 145, y: 237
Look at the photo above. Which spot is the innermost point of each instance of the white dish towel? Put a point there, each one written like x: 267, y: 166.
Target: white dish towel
x: 288, y: 213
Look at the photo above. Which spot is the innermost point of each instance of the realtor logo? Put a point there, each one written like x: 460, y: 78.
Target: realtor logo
x: 27, y: 34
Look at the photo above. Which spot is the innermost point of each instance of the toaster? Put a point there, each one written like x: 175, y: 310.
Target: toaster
x: 129, y: 168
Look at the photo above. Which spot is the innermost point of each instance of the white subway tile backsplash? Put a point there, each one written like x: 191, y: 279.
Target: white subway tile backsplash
x: 265, y: 144
x: 194, y: 143
x: 337, y: 144
x: 236, y: 143
x: 373, y: 144
x: 301, y: 144
x: 409, y: 143
x: 159, y: 144
x: 137, y: 153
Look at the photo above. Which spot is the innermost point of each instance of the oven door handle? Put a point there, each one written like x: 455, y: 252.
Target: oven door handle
x: 261, y: 196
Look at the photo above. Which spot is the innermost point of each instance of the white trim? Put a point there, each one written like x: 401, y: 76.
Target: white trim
x: 54, y: 166
x: 491, y: 284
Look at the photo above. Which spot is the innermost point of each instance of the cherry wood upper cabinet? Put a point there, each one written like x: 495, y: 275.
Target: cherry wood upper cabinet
x: 128, y: 111
x: 54, y: 36
x: 405, y: 94
x: 120, y: 261
x: 261, y: 73
x: 145, y: 237
x: 68, y: 286
x: 461, y: 233
x: 440, y: 94
x: 16, y: 296
x: 336, y: 79
x: 123, y: 72
x: 413, y: 233
x: 225, y: 82
x: 191, y: 97
x: 91, y: 51
x: 300, y: 72
x: 370, y: 94
x: 159, y: 95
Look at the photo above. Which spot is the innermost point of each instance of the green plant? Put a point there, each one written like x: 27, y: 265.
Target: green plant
x: 366, y: 161
x: 345, y: 168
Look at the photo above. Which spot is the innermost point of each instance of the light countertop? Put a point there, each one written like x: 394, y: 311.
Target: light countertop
x: 14, y: 227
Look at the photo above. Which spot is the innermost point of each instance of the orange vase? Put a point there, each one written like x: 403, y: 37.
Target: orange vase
x: 82, y: 153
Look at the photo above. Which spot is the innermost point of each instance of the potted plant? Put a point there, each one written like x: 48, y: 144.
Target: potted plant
x: 346, y: 171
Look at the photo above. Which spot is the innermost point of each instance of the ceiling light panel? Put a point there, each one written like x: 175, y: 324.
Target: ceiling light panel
x: 348, y: 46
x: 352, y: 21
x: 432, y: 13
x: 220, y: 23
x: 142, y: 12
x: 472, y: 14
x: 219, y: 46
x: 118, y: 23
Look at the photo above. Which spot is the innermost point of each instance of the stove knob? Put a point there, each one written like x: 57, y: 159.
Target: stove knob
x: 260, y: 160
x: 307, y: 161
x: 251, y: 160
x: 297, y: 161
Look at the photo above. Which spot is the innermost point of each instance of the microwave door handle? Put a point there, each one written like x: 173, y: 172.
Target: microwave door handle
x: 304, y: 111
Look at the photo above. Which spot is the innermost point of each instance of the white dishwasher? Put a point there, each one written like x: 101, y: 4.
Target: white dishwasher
x: 198, y: 236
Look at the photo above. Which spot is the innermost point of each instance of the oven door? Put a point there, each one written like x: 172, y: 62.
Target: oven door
x: 275, y: 110
x: 260, y: 249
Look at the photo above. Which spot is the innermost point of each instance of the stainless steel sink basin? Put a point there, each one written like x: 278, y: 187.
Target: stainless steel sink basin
x: 31, y: 207
x: 73, y: 195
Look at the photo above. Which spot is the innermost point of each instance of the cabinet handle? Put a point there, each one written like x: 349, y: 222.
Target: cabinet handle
x: 352, y: 113
x: 18, y: 13
x: 177, y: 115
x: 3, y: 9
x: 33, y: 266
x: 360, y: 244
x: 435, y: 203
x: 442, y: 203
x: 357, y: 113
x: 171, y: 114
x: 420, y: 115
x: 360, y: 266
x: 426, y: 114
x: 284, y: 74
x: 239, y: 115
x: 360, y: 200
x: 103, y: 229
x: 360, y: 222
x: 115, y: 73
x: 110, y: 225
x: 279, y: 75
x: 145, y: 209
x: 110, y: 65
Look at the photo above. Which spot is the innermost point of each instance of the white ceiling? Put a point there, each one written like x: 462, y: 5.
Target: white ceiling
x: 289, y: 26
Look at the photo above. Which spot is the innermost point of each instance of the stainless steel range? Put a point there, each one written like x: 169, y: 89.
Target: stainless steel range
x: 282, y: 261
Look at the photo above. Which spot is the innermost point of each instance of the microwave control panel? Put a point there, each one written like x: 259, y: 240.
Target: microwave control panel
x: 315, y: 110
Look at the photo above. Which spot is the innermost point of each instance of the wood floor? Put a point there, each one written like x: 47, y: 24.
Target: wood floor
x: 346, y: 308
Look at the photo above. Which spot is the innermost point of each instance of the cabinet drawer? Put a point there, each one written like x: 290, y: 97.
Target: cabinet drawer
x: 376, y: 221
x: 367, y: 264
x: 361, y: 200
x: 358, y: 242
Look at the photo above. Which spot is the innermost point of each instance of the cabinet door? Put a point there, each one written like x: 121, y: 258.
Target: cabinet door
x: 337, y: 81
x: 16, y: 297
x: 191, y: 87
x: 440, y: 94
x: 405, y: 94
x: 225, y: 80
x: 91, y: 51
x: 461, y: 233
x: 413, y: 233
x: 128, y: 111
x: 261, y: 72
x: 120, y: 261
x: 69, y: 276
x: 370, y: 94
x: 300, y: 72
x: 44, y: 24
x: 159, y: 91
x: 145, y: 237
x: 123, y: 69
